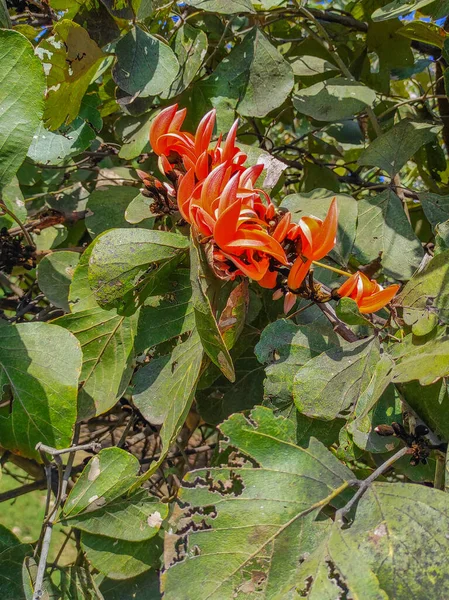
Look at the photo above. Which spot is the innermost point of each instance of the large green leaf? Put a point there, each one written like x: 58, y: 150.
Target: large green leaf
x: 335, y: 568
x: 383, y: 228
x: 317, y: 203
x: 400, y: 530
x: 431, y: 403
x: 426, y: 362
x: 284, y: 348
x: 190, y: 47
x: 53, y: 148
x: 81, y: 297
x: 119, y: 559
x: 227, y: 7
x: 142, y: 587
x: 331, y: 383
x: 145, y: 65
x: 246, y: 523
x: 72, y: 59
x: 107, y: 207
x: 334, y: 99
x: 106, y: 477
x: 133, y: 518
x: 107, y: 341
x: 393, y: 149
x: 133, y: 131
x: 42, y: 364
x: 54, y: 274
x: 436, y: 207
x: 398, y: 8
x: 255, y: 76
x: 167, y: 313
x: 427, y: 292
x: 12, y: 553
x: 206, y: 323
x: 164, y: 391
x: 22, y: 87
x: 121, y: 256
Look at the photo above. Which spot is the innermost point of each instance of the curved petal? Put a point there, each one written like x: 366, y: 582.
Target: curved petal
x: 325, y: 238
x: 229, y: 194
x: 213, y: 186
x: 298, y: 272
x: 185, y: 191
x: 347, y: 288
x: 269, y: 280
x: 160, y: 125
x: 229, y: 145
x: 282, y: 227
x: 289, y: 302
x: 256, y: 269
x: 378, y: 300
x: 204, y: 132
x: 226, y: 225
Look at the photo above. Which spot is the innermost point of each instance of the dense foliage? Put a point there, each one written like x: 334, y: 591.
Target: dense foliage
x: 223, y: 343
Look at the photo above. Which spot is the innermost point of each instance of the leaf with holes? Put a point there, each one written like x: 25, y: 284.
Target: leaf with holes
x: 248, y: 525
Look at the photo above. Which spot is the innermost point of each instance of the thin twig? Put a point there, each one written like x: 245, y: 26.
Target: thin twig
x: 364, y: 485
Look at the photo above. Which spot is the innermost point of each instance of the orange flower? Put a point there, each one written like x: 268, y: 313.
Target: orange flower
x: 369, y: 295
x: 316, y: 238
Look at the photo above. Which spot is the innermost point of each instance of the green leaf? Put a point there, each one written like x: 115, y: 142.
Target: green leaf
x: 142, y: 587
x: 436, y: 207
x: 226, y: 7
x: 386, y: 410
x: 317, y: 202
x: 383, y: 228
x: 107, y: 341
x: 139, y: 209
x: 329, y: 384
x: 133, y: 131
x: 254, y: 79
x: 222, y: 398
x: 121, y: 256
x: 398, y: 8
x: 22, y: 85
x: 190, y: 47
x: 248, y: 524
x: 167, y: 313
x: 134, y: 518
x: 336, y: 567
x: 51, y: 148
x: 81, y: 297
x: 431, y: 403
x: 285, y: 347
x: 54, y: 274
x: 392, y: 522
x: 164, y: 390
x: 106, y: 477
x: 393, y: 149
x: 348, y: 312
x: 119, y: 559
x: 12, y: 197
x: 427, y: 291
x: 107, y: 207
x: 206, y: 324
x: 72, y: 59
x: 311, y: 66
x: 78, y: 584
x: 334, y: 99
x: 44, y: 385
x: 429, y: 33
x: 145, y: 66
x: 427, y: 362
x: 12, y: 553
x: 5, y: 21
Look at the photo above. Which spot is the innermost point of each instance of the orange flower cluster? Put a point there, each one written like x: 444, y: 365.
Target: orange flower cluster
x: 248, y: 234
